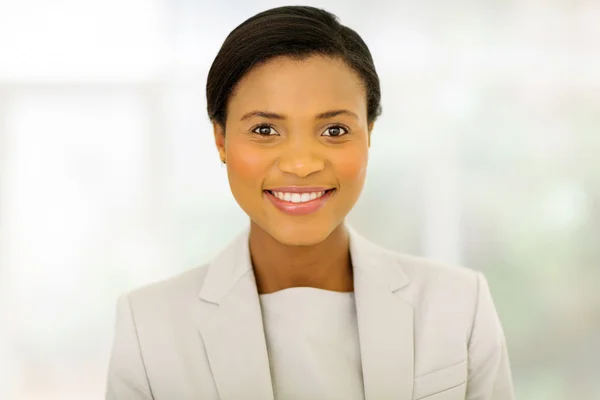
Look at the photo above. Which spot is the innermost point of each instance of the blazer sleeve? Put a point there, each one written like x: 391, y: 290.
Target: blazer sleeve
x: 127, y: 379
x: 489, y: 369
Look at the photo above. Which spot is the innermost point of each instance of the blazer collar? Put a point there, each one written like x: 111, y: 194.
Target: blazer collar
x: 227, y: 269
x: 232, y: 263
x: 378, y: 263
x: 232, y: 328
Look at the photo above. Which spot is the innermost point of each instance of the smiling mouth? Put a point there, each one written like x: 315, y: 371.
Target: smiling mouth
x: 299, y: 202
x: 299, y: 198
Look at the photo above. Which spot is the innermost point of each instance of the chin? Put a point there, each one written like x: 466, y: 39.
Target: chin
x: 300, y: 235
x: 297, y: 241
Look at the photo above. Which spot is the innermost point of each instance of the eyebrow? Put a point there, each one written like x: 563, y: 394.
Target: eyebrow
x: 270, y: 115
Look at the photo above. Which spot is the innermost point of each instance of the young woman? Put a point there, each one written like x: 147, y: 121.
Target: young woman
x: 300, y: 306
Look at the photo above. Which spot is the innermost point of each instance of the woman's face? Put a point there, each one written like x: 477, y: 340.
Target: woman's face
x: 296, y: 146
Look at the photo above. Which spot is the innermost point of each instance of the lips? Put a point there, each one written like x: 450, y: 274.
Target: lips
x: 300, y: 189
x: 299, y: 200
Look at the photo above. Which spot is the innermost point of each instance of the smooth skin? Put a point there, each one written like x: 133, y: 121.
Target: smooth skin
x: 297, y: 123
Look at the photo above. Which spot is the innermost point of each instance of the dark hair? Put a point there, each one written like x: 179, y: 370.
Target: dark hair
x: 294, y: 31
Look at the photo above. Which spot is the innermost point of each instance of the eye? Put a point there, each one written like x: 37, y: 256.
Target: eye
x: 335, y: 131
x: 265, y: 130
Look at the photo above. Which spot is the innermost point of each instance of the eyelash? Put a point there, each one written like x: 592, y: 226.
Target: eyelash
x: 329, y: 127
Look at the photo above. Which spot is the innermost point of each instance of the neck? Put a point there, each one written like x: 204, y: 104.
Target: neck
x: 325, y: 265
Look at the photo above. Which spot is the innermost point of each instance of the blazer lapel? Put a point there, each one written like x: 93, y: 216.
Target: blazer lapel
x: 385, y: 321
x: 230, y: 322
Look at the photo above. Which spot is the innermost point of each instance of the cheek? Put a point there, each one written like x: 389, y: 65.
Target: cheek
x: 351, y: 165
x: 246, y: 165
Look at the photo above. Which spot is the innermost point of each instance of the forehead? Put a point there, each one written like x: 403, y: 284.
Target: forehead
x: 306, y: 86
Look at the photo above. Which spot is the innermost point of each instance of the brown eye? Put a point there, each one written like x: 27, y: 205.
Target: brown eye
x: 265, y: 130
x: 335, y: 131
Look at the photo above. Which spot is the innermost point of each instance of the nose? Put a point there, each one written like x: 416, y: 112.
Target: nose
x: 301, y: 158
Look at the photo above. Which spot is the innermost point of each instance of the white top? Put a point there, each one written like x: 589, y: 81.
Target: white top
x: 312, y: 341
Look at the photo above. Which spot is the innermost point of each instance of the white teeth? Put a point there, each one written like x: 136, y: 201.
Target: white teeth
x: 297, y: 197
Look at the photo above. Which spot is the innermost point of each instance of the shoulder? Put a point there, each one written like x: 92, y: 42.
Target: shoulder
x: 450, y: 296
x: 436, y: 288
x: 441, y: 294
x: 435, y: 277
x: 450, y: 302
x: 168, y: 294
x: 416, y: 278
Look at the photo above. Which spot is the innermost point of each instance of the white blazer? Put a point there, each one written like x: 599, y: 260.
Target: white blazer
x: 426, y: 331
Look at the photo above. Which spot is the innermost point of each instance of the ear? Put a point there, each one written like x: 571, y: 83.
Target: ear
x: 219, y: 132
x: 370, y: 130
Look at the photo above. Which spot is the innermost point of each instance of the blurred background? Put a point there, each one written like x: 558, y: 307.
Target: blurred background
x: 487, y: 154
